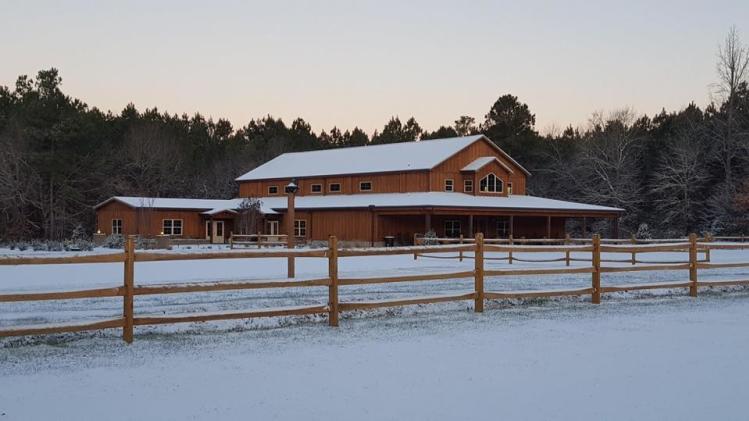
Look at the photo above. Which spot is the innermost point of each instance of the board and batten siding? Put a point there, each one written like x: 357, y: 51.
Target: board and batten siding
x: 146, y: 221
x: 403, y: 181
x: 396, y: 182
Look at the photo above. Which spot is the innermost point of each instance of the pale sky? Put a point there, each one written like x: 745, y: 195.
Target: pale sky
x: 347, y: 63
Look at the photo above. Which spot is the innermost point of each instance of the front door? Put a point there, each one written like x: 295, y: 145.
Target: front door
x: 272, y: 227
x: 218, y: 232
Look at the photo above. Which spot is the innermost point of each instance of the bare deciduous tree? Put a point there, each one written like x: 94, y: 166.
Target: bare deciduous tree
x: 679, y: 179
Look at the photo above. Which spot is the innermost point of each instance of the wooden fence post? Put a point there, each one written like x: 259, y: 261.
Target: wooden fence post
x: 478, y: 275
x: 333, y: 274
x: 567, y: 253
x: 596, y: 259
x: 693, y: 265
x: 461, y: 252
x: 708, y: 239
x: 416, y: 243
x: 634, y: 253
x: 509, y: 254
x: 129, y: 284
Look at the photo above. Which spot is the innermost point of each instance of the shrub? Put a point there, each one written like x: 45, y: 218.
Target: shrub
x: 430, y: 238
x: 114, y: 241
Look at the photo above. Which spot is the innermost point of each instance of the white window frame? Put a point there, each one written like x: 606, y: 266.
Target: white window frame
x: 449, y: 185
x: 371, y: 186
x: 171, y: 229
x: 509, y: 187
x: 454, y: 228
x: 117, y: 231
x: 330, y: 188
x: 468, y: 186
x: 312, y: 188
x: 270, y: 193
x: 300, y: 228
x: 498, y: 182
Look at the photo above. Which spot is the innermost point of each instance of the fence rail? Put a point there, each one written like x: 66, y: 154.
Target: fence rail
x: 478, y: 247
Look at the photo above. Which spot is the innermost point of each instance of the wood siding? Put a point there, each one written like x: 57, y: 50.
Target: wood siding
x: 148, y: 222
x: 397, y: 182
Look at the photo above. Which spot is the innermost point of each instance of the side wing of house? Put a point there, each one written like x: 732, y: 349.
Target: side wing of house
x: 116, y: 217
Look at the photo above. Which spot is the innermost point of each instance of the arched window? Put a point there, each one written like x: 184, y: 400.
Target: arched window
x: 491, y: 184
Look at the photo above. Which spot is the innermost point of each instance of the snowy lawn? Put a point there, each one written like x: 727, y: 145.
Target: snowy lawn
x: 651, y: 355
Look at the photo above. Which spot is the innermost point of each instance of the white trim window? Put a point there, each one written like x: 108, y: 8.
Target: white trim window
x: 449, y: 184
x: 452, y: 228
x: 468, y: 186
x: 491, y: 184
x: 334, y: 187
x: 509, y: 187
x: 315, y: 188
x: 300, y: 227
x: 171, y: 226
x: 365, y: 186
x: 117, y: 226
x: 272, y: 190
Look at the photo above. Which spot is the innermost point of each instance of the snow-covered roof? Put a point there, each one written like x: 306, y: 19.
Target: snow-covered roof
x: 275, y: 204
x: 405, y: 156
x: 480, y: 162
x: 431, y: 199
x: 173, y: 203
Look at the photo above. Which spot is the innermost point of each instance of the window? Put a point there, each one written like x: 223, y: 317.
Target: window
x: 467, y: 186
x: 509, y: 188
x: 334, y: 187
x: 491, y: 184
x: 365, y: 186
x: 449, y: 185
x: 171, y: 226
x: 117, y: 226
x: 503, y: 227
x: 300, y: 227
x: 452, y: 228
x: 316, y: 188
x: 272, y: 189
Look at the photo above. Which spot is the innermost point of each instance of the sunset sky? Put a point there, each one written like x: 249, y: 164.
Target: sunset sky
x: 349, y: 63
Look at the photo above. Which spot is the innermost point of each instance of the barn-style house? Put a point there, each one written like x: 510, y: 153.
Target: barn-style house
x: 456, y: 186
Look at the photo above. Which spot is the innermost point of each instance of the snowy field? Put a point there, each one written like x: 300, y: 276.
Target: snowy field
x: 648, y: 355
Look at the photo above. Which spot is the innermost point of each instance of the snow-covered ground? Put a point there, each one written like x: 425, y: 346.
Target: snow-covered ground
x: 651, y: 355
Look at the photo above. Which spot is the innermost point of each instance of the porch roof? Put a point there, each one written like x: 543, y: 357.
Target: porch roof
x: 433, y: 199
x: 277, y: 204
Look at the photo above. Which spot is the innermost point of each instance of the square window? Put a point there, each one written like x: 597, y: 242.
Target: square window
x: 468, y: 186
x: 300, y: 227
x: 449, y: 185
x: 365, y: 186
x: 316, y: 188
x: 334, y: 187
x: 272, y: 189
x: 452, y: 228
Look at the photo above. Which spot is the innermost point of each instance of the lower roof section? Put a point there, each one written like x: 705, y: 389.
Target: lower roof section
x: 455, y: 200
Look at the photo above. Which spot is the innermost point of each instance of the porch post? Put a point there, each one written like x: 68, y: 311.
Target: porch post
x: 512, y: 225
x: 470, y: 226
x: 291, y: 190
x: 427, y: 222
x: 585, y: 227
x: 615, y: 227
x: 548, y: 227
x: 210, y: 228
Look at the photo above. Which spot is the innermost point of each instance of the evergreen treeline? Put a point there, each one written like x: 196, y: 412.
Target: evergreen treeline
x: 678, y: 172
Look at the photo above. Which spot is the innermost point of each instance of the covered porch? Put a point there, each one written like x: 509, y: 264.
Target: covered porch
x: 497, y: 224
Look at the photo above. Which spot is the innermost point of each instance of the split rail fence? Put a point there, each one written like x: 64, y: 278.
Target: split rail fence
x: 478, y: 247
